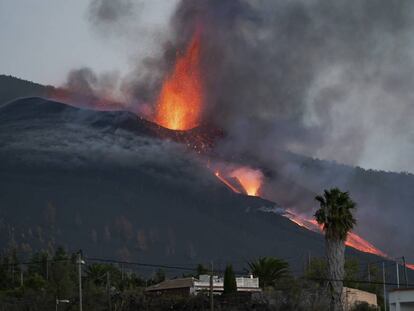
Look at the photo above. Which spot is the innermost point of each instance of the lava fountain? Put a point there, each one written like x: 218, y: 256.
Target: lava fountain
x: 250, y: 179
x: 180, y: 102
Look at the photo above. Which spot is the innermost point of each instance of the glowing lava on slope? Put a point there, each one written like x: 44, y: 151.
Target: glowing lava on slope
x: 226, y: 182
x: 250, y: 179
x: 180, y: 102
x: 353, y: 240
x: 243, y: 179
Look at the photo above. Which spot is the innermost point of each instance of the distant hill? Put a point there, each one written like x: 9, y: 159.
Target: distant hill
x: 12, y: 88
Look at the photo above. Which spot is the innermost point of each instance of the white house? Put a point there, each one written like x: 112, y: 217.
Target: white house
x: 401, y: 299
x: 193, y: 286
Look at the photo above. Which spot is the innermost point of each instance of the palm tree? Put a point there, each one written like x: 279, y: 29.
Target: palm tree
x: 96, y: 273
x: 268, y: 270
x: 335, y: 215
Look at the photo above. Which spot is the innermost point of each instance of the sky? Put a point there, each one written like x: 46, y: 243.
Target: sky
x: 43, y: 40
x: 353, y: 88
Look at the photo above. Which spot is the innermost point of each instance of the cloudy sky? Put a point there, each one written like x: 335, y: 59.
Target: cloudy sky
x: 42, y: 40
x: 331, y: 80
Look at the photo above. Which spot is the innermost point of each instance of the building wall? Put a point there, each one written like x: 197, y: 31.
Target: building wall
x: 401, y: 300
x: 351, y: 296
x: 182, y: 292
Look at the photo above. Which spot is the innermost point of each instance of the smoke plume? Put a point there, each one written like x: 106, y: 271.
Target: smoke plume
x: 326, y: 79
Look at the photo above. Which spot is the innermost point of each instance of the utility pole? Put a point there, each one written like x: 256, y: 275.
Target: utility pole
x: 405, y: 271
x: 369, y: 273
x: 398, y: 274
x: 21, y: 277
x: 108, y: 289
x: 211, y: 289
x: 12, y: 267
x: 80, y: 261
x: 47, y: 268
x: 383, y: 282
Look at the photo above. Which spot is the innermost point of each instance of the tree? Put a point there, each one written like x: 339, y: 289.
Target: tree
x: 96, y: 273
x: 159, y: 276
x: 230, y: 285
x: 335, y: 215
x: 39, y: 264
x: 62, y: 274
x: 363, y: 306
x: 316, y: 271
x: 351, y: 270
x: 269, y: 270
x: 201, y: 270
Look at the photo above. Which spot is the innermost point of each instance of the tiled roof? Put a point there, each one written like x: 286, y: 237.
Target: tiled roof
x: 171, y: 284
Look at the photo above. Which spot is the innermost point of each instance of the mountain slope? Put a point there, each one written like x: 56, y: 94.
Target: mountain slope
x: 83, y: 179
x: 12, y: 88
x: 385, y: 199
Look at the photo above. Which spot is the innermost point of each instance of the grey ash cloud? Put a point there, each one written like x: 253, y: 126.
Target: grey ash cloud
x: 326, y: 79
x: 110, y: 11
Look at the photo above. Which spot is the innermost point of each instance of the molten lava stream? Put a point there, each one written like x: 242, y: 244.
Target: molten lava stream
x: 224, y: 181
x: 180, y: 102
x: 251, y: 181
x: 353, y: 240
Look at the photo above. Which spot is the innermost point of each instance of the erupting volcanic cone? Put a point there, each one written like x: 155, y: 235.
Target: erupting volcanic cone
x: 180, y: 101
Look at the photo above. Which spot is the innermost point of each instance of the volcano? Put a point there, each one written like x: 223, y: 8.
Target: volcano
x: 111, y: 184
x: 117, y: 185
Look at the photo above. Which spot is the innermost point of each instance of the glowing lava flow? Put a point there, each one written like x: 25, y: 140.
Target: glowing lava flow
x: 353, y: 240
x: 250, y: 179
x: 224, y: 181
x: 180, y: 102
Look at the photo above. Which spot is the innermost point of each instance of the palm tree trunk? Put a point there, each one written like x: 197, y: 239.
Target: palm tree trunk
x: 335, y: 253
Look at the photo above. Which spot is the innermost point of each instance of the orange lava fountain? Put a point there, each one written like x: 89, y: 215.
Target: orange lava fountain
x: 250, y: 179
x: 180, y: 102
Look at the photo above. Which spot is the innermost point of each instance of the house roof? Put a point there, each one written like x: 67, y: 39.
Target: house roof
x: 402, y: 289
x: 172, y: 284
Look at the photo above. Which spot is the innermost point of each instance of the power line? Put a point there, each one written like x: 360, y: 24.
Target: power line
x: 353, y: 281
x: 190, y: 269
x: 141, y: 264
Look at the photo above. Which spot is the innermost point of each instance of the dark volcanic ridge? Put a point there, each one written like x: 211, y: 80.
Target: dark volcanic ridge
x: 105, y: 182
x: 384, y: 198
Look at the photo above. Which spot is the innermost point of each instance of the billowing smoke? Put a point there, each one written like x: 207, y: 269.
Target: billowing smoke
x: 109, y: 13
x: 85, y: 81
x: 327, y: 79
